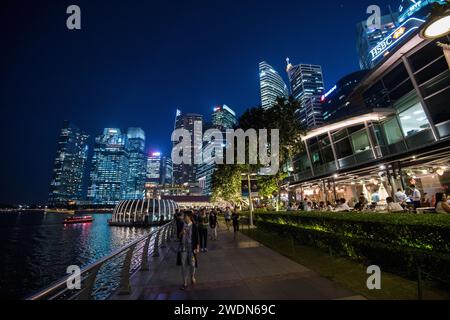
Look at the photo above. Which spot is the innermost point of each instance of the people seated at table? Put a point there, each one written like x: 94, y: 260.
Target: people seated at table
x: 442, y: 205
x: 400, y: 197
x: 309, y: 206
x: 362, y: 203
x: 342, y: 206
x: 393, y: 206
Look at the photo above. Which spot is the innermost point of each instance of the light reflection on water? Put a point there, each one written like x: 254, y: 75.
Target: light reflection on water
x: 36, y: 248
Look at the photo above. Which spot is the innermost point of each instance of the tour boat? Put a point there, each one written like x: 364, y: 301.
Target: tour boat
x: 84, y: 219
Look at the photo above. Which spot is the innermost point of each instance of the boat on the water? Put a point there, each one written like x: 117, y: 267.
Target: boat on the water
x: 73, y: 220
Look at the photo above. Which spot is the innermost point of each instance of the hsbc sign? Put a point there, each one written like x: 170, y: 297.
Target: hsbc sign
x: 382, y: 48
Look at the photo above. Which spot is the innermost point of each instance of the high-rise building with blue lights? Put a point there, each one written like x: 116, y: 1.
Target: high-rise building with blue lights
x: 68, y: 171
x: 109, y: 169
x: 271, y: 84
x: 137, y: 163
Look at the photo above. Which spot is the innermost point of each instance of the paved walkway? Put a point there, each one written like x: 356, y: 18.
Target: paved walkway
x: 235, y: 270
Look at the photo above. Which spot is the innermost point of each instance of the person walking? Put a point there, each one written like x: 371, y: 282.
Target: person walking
x: 189, y: 248
x: 235, y: 218
x: 203, y: 223
x: 228, y: 218
x: 213, y: 225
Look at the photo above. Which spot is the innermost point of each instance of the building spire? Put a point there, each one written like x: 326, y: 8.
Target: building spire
x: 289, y: 65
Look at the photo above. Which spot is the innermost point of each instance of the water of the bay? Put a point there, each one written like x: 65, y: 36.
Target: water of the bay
x: 36, y: 248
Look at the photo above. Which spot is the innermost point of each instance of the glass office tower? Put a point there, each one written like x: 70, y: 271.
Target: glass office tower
x: 69, y: 166
x: 307, y: 87
x: 137, y: 163
x: 186, y: 173
x: 224, y: 117
x: 272, y: 85
x: 109, y: 170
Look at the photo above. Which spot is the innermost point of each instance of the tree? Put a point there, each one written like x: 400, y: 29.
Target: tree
x: 282, y: 116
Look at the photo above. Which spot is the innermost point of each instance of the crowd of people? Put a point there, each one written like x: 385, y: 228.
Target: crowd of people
x: 193, y: 228
x: 400, y: 202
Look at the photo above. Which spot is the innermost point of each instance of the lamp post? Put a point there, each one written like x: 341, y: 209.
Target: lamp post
x: 250, y: 200
x: 438, y: 26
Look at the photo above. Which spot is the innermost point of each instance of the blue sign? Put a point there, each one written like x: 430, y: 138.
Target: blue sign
x: 380, y: 50
x: 409, y: 8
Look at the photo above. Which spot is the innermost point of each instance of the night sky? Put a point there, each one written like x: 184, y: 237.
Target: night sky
x: 134, y: 62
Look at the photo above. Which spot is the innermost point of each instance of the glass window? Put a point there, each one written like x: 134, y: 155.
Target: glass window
x: 424, y: 56
x: 413, y: 120
x: 327, y: 154
x: 392, y: 131
x: 396, y: 76
x: 360, y: 141
x: 439, y: 106
x: 344, y: 148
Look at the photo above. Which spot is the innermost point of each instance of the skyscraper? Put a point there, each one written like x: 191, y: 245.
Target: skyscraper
x: 307, y: 88
x: 69, y: 166
x: 223, y: 118
x: 186, y: 173
x: 367, y: 38
x: 271, y: 84
x: 109, y: 170
x: 137, y: 163
x: 159, y: 169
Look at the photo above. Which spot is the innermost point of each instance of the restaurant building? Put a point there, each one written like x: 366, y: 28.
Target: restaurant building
x: 391, y: 131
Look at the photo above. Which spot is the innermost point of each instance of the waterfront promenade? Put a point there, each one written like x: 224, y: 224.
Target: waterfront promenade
x: 233, y: 270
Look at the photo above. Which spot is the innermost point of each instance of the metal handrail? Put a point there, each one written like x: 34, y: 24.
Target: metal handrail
x: 59, y: 288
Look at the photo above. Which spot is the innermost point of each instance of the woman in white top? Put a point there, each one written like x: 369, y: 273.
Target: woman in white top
x: 442, y: 205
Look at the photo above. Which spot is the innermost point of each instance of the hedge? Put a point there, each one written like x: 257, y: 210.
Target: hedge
x: 397, y: 243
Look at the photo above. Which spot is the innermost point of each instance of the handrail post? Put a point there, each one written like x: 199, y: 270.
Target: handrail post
x: 86, y: 292
x: 164, y: 237
x: 144, y: 264
x: 124, y: 287
x: 156, y: 244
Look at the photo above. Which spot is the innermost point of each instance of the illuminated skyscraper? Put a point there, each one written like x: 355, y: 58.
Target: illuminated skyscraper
x: 307, y: 88
x: 159, y: 169
x: 186, y: 173
x: 137, y: 164
x: 367, y: 38
x: 223, y: 118
x: 69, y: 166
x: 109, y: 170
x: 271, y: 84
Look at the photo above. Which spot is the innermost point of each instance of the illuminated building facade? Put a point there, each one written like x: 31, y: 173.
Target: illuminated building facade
x: 271, y: 84
x: 69, y: 166
x: 307, y: 87
x: 137, y: 163
x: 224, y: 118
x: 186, y: 173
x: 393, y: 132
x: 109, y: 170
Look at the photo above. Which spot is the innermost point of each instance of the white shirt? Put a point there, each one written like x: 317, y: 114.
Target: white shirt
x: 400, y: 196
x: 416, y: 195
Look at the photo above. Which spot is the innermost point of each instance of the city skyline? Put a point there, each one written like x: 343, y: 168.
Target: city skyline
x: 108, y: 74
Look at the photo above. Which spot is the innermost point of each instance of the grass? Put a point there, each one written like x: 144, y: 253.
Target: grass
x: 347, y: 273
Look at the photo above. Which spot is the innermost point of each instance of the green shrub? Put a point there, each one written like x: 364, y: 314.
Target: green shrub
x: 396, y: 242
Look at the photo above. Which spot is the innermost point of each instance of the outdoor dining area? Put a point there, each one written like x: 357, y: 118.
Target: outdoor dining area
x: 418, y: 189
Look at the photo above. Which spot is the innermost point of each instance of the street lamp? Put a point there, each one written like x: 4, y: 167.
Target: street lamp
x: 250, y: 200
x: 438, y: 24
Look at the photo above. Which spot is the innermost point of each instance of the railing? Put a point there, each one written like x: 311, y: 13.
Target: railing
x: 111, y: 274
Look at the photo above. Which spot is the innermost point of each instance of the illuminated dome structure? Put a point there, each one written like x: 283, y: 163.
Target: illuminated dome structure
x: 142, y: 212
